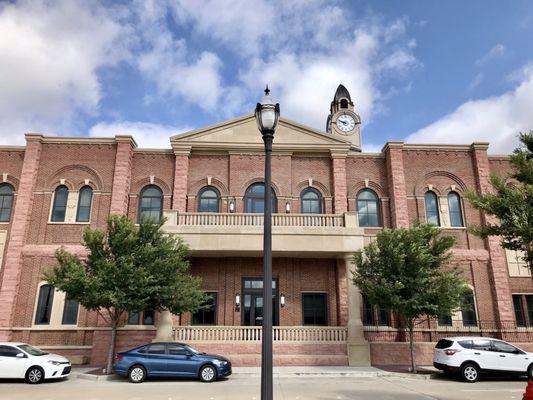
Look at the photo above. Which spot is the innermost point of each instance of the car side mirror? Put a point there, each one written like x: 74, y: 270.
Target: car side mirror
x: 189, y: 355
x: 20, y: 355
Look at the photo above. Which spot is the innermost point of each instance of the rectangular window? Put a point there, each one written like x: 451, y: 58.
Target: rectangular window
x: 445, y: 320
x: 141, y: 318
x: 148, y: 317
x: 44, y: 305
x: 469, y: 312
x: 314, y: 309
x: 208, y: 315
x: 70, y: 312
x: 519, y: 310
x: 529, y: 305
x: 374, y: 314
x: 133, y: 318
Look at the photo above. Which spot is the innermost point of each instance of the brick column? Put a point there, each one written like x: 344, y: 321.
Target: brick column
x: 358, y: 347
x: 497, y: 261
x: 340, y: 195
x: 122, y: 174
x: 396, y: 179
x: 20, y: 224
x: 342, y: 294
x: 181, y: 172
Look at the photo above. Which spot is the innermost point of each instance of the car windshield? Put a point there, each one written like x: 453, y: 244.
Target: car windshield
x: 34, y: 351
x: 192, y: 349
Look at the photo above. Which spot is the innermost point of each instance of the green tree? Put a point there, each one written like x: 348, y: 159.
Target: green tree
x: 402, y: 271
x: 128, y: 269
x: 512, y: 203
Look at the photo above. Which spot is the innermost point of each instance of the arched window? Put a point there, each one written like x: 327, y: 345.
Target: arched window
x: 44, y: 304
x: 209, y: 200
x: 367, y: 208
x: 150, y: 203
x: 311, y: 201
x: 254, y: 199
x: 344, y: 103
x: 85, y: 200
x: 6, y: 201
x: 454, y: 206
x: 468, y: 311
x: 59, y: 207
x: 432, y: 208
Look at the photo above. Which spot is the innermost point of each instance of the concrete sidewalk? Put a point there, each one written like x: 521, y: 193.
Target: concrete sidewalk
x: 289, y: 372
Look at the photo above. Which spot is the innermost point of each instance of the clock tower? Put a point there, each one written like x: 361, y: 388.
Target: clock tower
x: 342, y: 119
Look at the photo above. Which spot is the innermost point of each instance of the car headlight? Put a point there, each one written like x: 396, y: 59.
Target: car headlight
x: 220, y: 363
x: 54, y: 362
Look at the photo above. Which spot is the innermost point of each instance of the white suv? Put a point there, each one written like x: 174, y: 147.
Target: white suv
x: 20, y: 360
x: 471, y: 356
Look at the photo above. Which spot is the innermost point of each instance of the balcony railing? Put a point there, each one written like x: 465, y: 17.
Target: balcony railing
x: 431, y: 331
x: 253, y: 333
x: 249, y: 219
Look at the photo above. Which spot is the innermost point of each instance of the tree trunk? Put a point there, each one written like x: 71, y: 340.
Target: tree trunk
x: 111, y: 350
x: 412, y: 347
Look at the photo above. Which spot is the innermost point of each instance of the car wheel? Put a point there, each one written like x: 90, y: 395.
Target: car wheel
x: 137, y: 374
x: 530, y: 372
x: 470, y: 372
x: 208, y: 373
x: 35, y: 375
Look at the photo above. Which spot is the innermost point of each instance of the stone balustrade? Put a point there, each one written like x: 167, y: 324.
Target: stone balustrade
x: 335, y: 334
x: 249, y: 219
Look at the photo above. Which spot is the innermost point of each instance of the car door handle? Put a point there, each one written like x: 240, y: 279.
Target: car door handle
x: 502, y: 355
x: 477, y: 354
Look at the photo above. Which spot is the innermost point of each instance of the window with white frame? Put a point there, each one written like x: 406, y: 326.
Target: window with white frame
x: 432, y: 208
x: 516, y: 265
x: 70, y: 206
x: 466, y: 316
x: 53, y: 308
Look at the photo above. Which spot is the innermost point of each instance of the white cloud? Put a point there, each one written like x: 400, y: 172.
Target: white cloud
x: 476, y: 81
x: 51, y: 52
x: 497, y: 120
x: 214, y: 55
x: 304, y: 83
x: 147, y: 135
x: 495, y: 52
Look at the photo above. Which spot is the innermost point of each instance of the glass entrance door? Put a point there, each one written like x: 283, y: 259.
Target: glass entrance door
x: 252, y: 310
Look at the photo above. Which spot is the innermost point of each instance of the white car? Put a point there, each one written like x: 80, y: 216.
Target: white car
x: 20, y: 360
x: 470, y: 356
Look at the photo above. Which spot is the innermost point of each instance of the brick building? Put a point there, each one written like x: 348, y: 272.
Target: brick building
x: 330, y: 199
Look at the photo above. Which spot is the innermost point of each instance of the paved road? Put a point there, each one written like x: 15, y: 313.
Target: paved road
x: 236, y: 388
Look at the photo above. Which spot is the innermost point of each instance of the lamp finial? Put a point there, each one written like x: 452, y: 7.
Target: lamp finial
x: 267, y: 90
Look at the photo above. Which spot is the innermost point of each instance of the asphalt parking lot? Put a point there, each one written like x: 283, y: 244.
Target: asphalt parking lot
x: 294, y: 388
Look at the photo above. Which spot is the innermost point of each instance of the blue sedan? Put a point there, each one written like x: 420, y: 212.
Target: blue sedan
x: 170, y: 359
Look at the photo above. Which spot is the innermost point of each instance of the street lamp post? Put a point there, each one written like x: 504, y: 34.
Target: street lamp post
x: 266, y: 116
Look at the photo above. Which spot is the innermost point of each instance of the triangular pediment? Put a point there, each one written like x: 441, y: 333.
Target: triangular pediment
x: 242, y: 132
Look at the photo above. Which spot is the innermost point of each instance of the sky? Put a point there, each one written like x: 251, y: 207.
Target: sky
x: 418, y: 71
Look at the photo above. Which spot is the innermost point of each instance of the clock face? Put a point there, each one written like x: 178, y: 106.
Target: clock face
x: 345, y: 123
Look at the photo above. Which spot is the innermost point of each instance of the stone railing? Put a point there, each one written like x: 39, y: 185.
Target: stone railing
x: 253, y: 333
x: 249, y: 219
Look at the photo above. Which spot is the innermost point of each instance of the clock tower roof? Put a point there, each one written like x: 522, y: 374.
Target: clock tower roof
x: 340, y: 93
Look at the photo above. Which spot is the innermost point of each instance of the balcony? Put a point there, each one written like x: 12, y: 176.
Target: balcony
x: 322, y: 235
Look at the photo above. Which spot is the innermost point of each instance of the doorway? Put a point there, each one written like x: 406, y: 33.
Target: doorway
x: 252, y: 310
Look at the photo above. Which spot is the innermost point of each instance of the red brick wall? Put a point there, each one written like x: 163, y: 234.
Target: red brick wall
x: 224, y: 275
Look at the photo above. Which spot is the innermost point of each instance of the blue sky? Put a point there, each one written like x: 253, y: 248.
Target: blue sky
x: 420, y: 71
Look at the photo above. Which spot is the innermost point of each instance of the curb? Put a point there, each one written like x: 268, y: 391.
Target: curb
x: 348, y: 374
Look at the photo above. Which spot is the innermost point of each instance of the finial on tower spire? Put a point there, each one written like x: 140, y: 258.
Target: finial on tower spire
x: 267, y: 90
